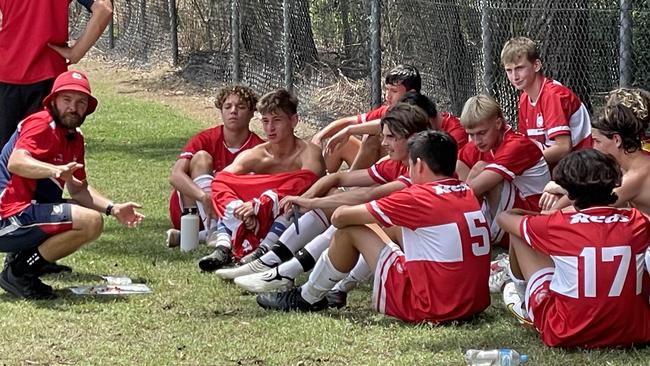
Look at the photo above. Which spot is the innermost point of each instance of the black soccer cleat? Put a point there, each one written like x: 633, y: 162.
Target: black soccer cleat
x: 52, y: 268
x: 336, y: 299
x: 25, y: 286
x: 289, y: 301
x: 256, y: 254
x: 219, y: 258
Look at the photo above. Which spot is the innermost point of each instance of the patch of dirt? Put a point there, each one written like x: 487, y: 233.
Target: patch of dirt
x: 163, y: 85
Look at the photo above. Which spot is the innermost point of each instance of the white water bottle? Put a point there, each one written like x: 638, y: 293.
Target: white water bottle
x: 494, y: 357
x: 190, y: 230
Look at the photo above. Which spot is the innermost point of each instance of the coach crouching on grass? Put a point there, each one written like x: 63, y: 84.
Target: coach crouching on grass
x: 46, y: 153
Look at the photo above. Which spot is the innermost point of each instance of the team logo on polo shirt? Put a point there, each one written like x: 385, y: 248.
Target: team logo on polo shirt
x: 540, y: 120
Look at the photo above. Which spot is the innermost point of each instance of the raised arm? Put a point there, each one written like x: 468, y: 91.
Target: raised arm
x: 369, y: 128
x: 333, y: 128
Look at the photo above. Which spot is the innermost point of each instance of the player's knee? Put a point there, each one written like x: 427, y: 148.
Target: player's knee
x: 89, y: 222
x: 201, y: 163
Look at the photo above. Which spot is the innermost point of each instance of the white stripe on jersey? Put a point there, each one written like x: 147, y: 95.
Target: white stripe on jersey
x: 381, y: 214
x: 580, y: 125
x: 535, y: 132
x: 565, y: 279
x: 501, y: 168
x: 375, y: 173
x: 558, y: 129
x: 533, y: 180
x: 440, y: 243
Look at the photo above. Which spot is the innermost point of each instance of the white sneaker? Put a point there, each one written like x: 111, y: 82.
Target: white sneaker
x: 515, y: 304
x: 499, y: 273
x: 268, y: 281
x: 256, y: 266
x: 172, y: 238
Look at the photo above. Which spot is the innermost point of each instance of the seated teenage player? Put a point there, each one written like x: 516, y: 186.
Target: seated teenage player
x: 246, y: 194
x: 581, y: 272
x: 419, y: 282
x: 389, y: 175
x: 549, y: 112
x: 638, y: 101
x: 362, y: 154
x: 505, y: 169
x: 207, y: 153
x: 442, y: 121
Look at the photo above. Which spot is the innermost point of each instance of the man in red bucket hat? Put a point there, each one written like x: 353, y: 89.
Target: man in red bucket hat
x: 44, y: 155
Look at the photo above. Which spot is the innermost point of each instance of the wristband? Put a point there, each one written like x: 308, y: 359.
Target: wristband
x: 109, y: 209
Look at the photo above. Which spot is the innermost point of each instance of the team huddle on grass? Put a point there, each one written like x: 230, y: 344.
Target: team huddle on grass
x: 424, y: 200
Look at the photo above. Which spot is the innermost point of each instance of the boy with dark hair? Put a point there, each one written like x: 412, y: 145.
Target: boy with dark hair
x: 419, y: 282
x: 442, y: 121
x: 581, y: 273
x: 361, y: 155
x: 207, y: 153
x: 549, y: 112
x: 246, y: 194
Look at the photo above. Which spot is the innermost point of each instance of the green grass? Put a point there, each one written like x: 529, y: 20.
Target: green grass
x: 196, y: 319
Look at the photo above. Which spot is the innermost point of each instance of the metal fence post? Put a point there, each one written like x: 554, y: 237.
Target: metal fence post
x: 625, y: 47
x: 375, y: 51
x: 286, y: 40
x: 111, y: 31
x: 234, y: 41
x: 173, y: 16
x: 486, y: 38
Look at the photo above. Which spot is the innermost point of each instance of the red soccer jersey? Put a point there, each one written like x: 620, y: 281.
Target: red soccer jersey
x: 451, y: 125
x: 46, y: 141
x: 211, y: 141
x: 557, y: 111
x: 372, y: 115
x: 446, y: 249
x: 599, y: 291
x: 388, y: 170
x: 518, y: 160
x: 26, y: 27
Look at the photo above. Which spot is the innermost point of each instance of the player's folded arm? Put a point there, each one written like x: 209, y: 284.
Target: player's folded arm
x: 485, y: 182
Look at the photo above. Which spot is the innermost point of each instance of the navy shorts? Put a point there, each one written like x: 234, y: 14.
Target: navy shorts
x: 34, y: 225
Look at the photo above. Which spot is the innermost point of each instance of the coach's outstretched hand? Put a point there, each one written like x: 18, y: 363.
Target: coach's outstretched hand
x: 126, y: 214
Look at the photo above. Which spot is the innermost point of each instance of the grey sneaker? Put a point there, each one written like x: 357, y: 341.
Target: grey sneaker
x: 219, y: 258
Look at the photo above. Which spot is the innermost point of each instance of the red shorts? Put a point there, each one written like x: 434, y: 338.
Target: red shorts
x: 392, y: 294
x: 175, y: 210
x: 510, y: 198
x: 538, y: 295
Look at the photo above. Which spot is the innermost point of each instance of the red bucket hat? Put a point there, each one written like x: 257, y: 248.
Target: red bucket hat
x: 72, y: 81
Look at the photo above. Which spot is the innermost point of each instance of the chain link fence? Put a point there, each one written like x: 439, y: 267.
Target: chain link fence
x: 332, y: 53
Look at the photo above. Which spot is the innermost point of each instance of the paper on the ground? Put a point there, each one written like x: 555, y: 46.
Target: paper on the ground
x: 115, y: 285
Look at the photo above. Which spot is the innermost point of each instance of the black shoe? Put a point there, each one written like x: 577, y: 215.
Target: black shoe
x: 256, y: 254
x: 52, y: 268
x: 289, y: 300
x: 336, y: 299
x: 219, y: 258
x: 25, y: 286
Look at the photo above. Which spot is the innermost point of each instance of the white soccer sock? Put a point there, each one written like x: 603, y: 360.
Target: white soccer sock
x: 278, y: 227
x: 204, y: 182
x: 321, y: 280
x: 315, y: 248
x: 311, y: 224
x: 360, y: 273
x: 203, y: 235
x: 520, y: 285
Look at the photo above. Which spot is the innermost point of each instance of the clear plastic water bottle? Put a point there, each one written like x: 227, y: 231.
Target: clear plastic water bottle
x: 494, y: 357
x: 190, y: 230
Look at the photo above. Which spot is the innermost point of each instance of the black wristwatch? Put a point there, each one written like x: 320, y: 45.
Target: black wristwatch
x: 109, y: 209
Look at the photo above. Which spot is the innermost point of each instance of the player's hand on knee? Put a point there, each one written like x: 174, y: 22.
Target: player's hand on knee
x: 127, y: 215
x: 554, y: 188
